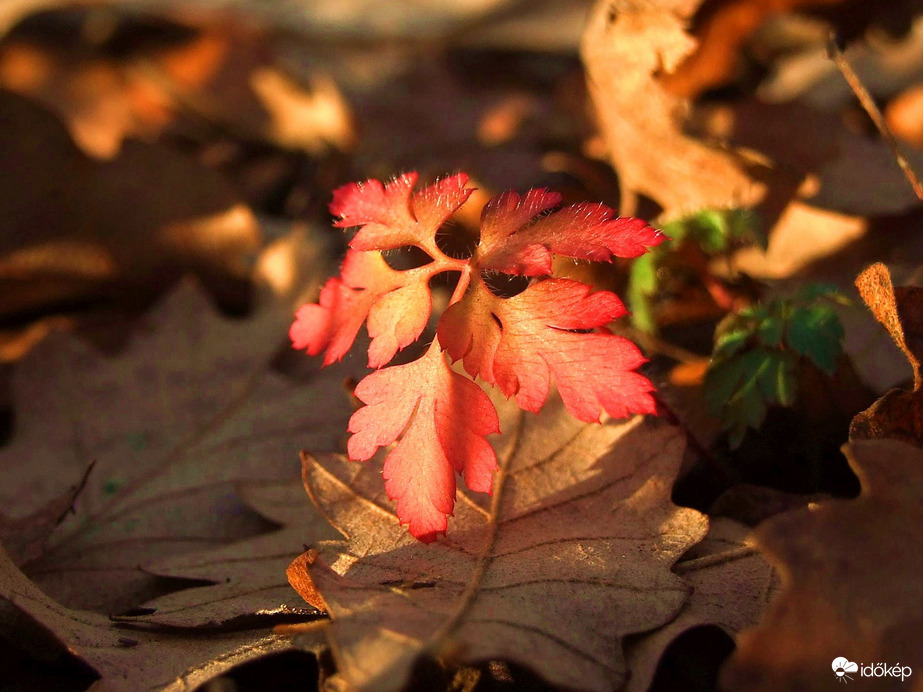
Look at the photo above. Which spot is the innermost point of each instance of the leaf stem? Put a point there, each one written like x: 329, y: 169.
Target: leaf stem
x: 463, y: 281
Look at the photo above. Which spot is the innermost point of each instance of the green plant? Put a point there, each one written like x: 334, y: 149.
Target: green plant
x: 758, y: 352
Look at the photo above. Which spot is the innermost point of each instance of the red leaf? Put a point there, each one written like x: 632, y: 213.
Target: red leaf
x: 519, y: 343
x: 442, y: 418
x: 394, y: 216
x: 516, y: 240
x: 397, y: 305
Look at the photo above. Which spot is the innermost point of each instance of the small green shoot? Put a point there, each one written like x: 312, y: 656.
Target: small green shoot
x: 759, y: 351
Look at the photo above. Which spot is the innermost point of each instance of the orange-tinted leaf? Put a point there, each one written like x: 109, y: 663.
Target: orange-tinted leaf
x: 551, y: 328
x: 396, y: 304
x: 393, y: 215
x: 441, y: 418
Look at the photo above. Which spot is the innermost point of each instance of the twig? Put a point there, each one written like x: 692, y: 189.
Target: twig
x: 836, y: 54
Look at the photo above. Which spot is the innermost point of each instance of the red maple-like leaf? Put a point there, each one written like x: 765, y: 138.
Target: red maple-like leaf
x: 442, y: 419
x: 554, y: 331
x: 550, y: 329
x: 396, y: 304
x: 517, y: 239
x: 394, y: 216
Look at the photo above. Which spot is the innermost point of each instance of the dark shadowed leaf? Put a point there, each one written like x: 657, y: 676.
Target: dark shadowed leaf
x: 852, y: 583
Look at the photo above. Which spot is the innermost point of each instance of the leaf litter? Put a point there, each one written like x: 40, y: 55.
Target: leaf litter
x: 189, y: 410
x: 808, y: 228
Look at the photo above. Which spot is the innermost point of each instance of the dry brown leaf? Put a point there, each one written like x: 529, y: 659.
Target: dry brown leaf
x: 904, y: 115
x: 571, y: 554
x: 851, y: 582
x: 301, y: 119
x: 127, y: 659
x: 732, y: 585
x: 626, y: 45
x: 899, y: 413
x: 249, y: 576
x: 189, y: 410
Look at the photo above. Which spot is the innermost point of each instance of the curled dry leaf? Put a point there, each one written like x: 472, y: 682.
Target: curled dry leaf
x: 127, y: 659
x: 572, y: 554
x: 899, y: 413
x: 851, y: 584
x: 626, y: 45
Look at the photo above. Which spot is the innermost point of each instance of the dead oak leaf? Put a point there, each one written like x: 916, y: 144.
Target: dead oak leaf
x: 851, y: 581
x: 572, y: 554
x: 732, y: 585
x: 191, y: 409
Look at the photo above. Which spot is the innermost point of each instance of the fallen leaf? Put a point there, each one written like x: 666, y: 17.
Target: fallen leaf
x: 191, y: 408
x: 899, y: 413
x: 904, y: 115
x: 721, y: 35
x: 801, y: 235
x: 25, y: 537
x: 127, y: 658
x: 572, y: 554
x: 732, y: 585
x: 249, y: 576
x: 301, y: 119
x: 851, y: 582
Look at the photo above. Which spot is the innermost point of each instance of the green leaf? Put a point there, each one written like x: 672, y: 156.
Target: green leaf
x: 740, y: 389
x: 814, y: 292
x: 642, y: 283
x: 816, y: 332
x: 769, y: 331
x: 714, y: 229
x: 730, y: 343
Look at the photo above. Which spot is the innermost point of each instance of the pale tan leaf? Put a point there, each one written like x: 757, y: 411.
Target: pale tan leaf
x: 571, y: 554
x: 731, y: 587
x: 626, y: 45
x: 851, y: 582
